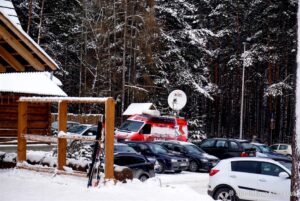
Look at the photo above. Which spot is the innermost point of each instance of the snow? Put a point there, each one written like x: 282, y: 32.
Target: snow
x: 30, y: 83
x: 137, y: 108
x: 7, y: 8
x: 18, y: 184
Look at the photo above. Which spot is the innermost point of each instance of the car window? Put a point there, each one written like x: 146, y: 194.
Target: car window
x: 233, y: 146
x: 146, y: 129
x: 130, y: 125
x: 245, y: 166
x: 270, y: 169
x: 128, y: 160
x: 222, y: 144
x: 274, y: 147
x: 92, y: 130
x: 283, y: 147
x: 208, y: 144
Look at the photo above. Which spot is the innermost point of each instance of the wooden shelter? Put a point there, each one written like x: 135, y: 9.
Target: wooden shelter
x: 19, y: 53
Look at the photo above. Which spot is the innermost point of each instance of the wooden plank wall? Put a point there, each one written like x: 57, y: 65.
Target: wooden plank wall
x: 39, y: 117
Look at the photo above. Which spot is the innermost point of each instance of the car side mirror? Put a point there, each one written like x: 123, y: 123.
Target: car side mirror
x: 90, y: 134
x: 284, y: 175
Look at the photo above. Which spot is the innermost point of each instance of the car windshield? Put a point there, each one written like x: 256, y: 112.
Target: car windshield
x: 158, y: 149
x: 193, y: 149
x: 264, y: 148
x: 130, y: 125
x: 247, y: 145
x: 123, y: 149
x: 77, y: 129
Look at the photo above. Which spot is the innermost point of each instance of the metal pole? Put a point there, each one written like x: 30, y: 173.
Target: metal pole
x: 242, y: 95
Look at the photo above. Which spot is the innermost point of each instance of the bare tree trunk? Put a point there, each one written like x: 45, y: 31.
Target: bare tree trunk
x: 29, y: 16
x: 124, y: 58
x: 41, y: 21
x: 295, y: 187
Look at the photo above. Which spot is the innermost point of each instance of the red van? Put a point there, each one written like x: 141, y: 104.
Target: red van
x: 145, y: 127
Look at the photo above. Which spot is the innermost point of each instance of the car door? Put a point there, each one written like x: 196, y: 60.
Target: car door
x: 234, y: 149
x: 208, y: 146
x: 273, y: 187
x: 243, y: 178
x: 283, y: 149
x: 221, y: 149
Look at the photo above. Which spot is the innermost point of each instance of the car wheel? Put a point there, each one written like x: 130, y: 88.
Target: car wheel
x: 143, y: 178
x: 225, y: 194
x: 193, y: 166
x: 160, y: 168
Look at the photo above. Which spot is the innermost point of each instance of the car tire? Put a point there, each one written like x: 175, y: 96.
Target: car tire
x: 225, y: 194
x: 161, y: 168
x: 143, y: 178
x: 193, y: 167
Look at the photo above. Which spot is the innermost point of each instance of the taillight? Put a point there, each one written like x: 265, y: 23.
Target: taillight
x: 213, y: 172
x: 244, y: 154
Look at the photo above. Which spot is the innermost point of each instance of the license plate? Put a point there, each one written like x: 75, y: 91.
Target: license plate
x: 183, y: 164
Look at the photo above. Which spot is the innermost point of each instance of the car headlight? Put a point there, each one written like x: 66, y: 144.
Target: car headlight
x: 204, y: 160
x: 173, y: 160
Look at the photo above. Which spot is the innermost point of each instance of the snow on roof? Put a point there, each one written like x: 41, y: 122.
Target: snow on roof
x: 30, y: 83
x: 7, y: 8
x: 8, y: 11
x: 137, y: 108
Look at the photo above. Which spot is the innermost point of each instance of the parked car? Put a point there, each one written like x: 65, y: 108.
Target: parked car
x: 285, y: 149
x: 165, y: 161
x: 54, y: 126
x: 227, y: 148
x: 80, y: 130
x: 123, y: 148
x: 141, y: 167
x: 249, y: 178
x: 198, y: 159
x: 265, y: 151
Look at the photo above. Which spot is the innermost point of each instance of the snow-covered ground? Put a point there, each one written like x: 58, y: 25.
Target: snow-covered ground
x: 17, y: 184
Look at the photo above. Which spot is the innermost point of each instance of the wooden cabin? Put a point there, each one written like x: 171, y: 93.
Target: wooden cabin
x: 19, y: 55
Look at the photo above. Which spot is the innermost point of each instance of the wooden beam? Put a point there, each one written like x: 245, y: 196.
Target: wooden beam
x: 28, y: 42
x: 2, y: 68
x: 62, y: 126
x: 11, y: 60
x: 109, y: 138
x: 18, y: 47
x: 22, y: 129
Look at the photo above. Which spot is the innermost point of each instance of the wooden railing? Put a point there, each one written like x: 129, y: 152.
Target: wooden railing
x: 62, y: 126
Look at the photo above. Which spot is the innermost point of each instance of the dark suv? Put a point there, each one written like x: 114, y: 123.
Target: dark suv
x: 199, y: 160
x: 227, y: 148
x: 165, y: 161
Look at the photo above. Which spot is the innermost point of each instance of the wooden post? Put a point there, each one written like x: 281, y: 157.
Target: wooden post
x: 62, y: 143
x: 22, y: 129
x: 109, y: 137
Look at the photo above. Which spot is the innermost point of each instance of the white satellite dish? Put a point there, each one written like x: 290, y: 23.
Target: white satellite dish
x: 177, y: 99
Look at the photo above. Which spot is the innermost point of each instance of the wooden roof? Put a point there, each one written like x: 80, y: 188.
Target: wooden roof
x: 18, y: 52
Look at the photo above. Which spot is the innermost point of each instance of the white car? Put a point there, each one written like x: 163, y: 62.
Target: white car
x: 285, y: 149
x: 249, y: 179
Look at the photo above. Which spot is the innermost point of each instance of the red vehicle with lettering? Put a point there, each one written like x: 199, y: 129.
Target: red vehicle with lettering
x: 145, y: 127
